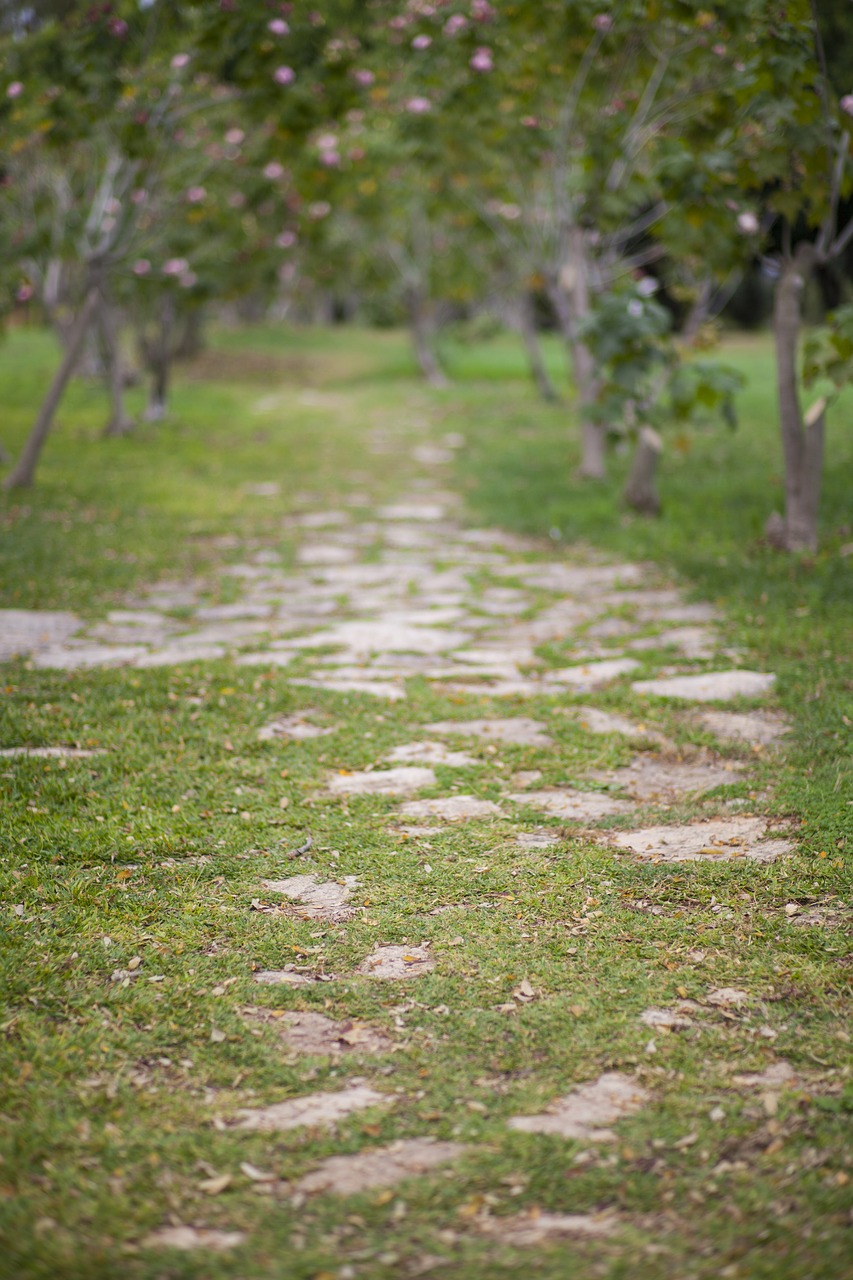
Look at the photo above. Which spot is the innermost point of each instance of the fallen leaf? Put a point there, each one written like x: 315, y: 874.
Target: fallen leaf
x: 134, y: 963
x: 217, y: 1036
x: 213, y: 1186
x: 255, y: 1174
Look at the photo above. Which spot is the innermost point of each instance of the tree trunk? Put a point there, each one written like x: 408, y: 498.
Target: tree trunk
x: 538, y: 371
x: 802, y: 439
x: 640, y: 492
x: 158, y: 359
x: 120, y: 423
x: 158, y: 394
x: 699, y: 312
x: 570, y: 299
x: 191, y: 342
x: 23, y: 473
x: 422, y: 340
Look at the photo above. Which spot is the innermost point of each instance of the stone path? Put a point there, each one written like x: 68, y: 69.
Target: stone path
x: 413, y: 595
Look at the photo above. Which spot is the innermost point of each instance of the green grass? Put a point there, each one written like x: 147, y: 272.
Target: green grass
x: 112, y: 1092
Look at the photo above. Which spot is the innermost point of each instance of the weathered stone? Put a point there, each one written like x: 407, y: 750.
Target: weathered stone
x: 650, y: 778
x: 717, y: 841
x: 397, y: 962
x: 578, y: 806
x: 382, y: 782
x: 320, y: 900
x: 282, y: 978
x: 175, y: 655
x: 314, y: 1033
x: 431, y: 753
x: 324, y: 1109
x: 591, y: 675
x: 25, y: 631
x: 379, y: 1167
x: 518, y: 730
x: 187, y: 1238
x: 293, y: 727
x: 536, y: 1228
x: 50, y: 753
x: 86, y: 656
x: 586, y: 1113
x: 754, y: 728
x: 712, y: 686
x: 597, y: 721
x: 451, y: 808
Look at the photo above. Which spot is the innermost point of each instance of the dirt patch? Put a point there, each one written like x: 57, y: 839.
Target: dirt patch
x: 314, y: 1033
x: 586, y: 1112
x: 577, y: 806
x: 382, y: 1167
x: 320, y: 900
x: 186, y: 1238
x: 712, y: 686
x: 314, y: 1109
x: 719, y: 840
x: 451, y: 808
x: 519, y: 730
x: 382, y: 782
x: 389, y: 962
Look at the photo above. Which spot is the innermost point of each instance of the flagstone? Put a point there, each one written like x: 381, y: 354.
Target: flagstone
x: 187, y: 1238
x: 719, y: 840
x: 294, y: 727
x: 51, y: 753
x: 413, y: 511
x: 174, y: 655
x: 537, y: 1227
x: 451, y: 808
x: 24, y: 631
x: 579, y: 806
x: 379, y: 1167
x: 650, y: 777
x: 755, y: 728
x: 536, y: 839
x: 325, y: 553
x: 314, y: 1033
x: 391, y: 962
x: 377, y: 688
x: 431, y: 753
x: 711, y: 686
x: 591, y: 675
x: 587, y: 1112
x: 283, y: 977
x: 245, y: 609
x: 597, y: 721
x: 264, y: 658
x: 382, y: 782
x: 320, y: 900
x: 313, y: 1109
x: 84, y: 656
x: 693, y: 642
x: 518, y: 730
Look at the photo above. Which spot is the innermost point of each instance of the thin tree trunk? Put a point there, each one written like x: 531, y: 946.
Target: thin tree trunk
x: 640, y: 492
x: 191, y: 342
x: 538, y: 371
x: 120, y: 423
x: 699, y: 312
x: 802, y: 439
x: 23, y: 473
x: 422, y: 340
x: 593, y: 435
x: 158, y: 357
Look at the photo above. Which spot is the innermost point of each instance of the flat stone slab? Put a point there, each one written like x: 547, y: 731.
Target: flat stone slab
x: 314, y: 1033
x: 413, y: 511
x: 692, y: 642
x: 320, y: 900
x: 578, y: 806
x: 376, y: 688
x: 283, y: 978
x: 324, y: 1109
x: 518, y: 730
x: 175, y: 655
x: 388, y: 637
x: 379, y: 1167
x: 50, y: 753
x: 525, y: 1230
x: 244, y: 609
x: 712, y: 686
x: 573, y: 579
x: 382, y: 782
x: 717, y: 841
x: 264, y: 658
x: 536, y: 839
x: 451, y: 808
x: 390, y: 962
x: 779, y: 1075
x: 753, y: 728
x: 24, y: 631
x: 648, y: 778
x: 597, y: 721
x: 294, y: 728
x: 86, y: 656
x: 668, y: 1019
x: 431, y: 753
x: 587, y: 1112
x: 188, y: 1238
x: 591, y: 675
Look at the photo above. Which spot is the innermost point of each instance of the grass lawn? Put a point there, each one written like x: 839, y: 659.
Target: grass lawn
x: 117, y: 1096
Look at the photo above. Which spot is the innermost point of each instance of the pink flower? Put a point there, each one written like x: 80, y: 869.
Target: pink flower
x: 236, y: 200
x: 175, y: 267
x: 234, y: 137
x: 278, y: 27
x: 455, y: 23
x: 846, y: 103
x: 421, y: 42
x: 482, y: 60
x: 113, y: 205
x: 284, y: 75
x: 747, y: 222
x: 195, y: 195
x: 286, y: 240
x: 331, y: 159
x: 319, y: 209
x: 719, y: 50
x: 418, y: 106
x: 180, y: 60
x: 139, y: 196
x: 187, y: 279
x: 117, y: 27
x: 327, y: 141
x: 141, y: 267
x: 24, y: 293
x: 274, y: 171
x: 482, y: 11
x: 15, y: 89
x: 529, y: 122
x: 602, y: 22
x: 364, y: 78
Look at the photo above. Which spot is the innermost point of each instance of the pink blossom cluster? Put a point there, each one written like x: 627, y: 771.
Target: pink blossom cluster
x: 273, y: 170
x: 454, y: 24
x: 278, y: 27
x: 234, y: 137
x: 482, y: 11
x: 15, y: 89
x: 481, y: 60
x: 286, y: 240
x: 747, y: 222
x: 602, y: 22
x: 175, y: 267
x: 422, y: 42
x: 364, y: 78
x: 180, y: 60
x: 195, y: 195
x: 284, y: 75
x: 846, y: 104
x: 418, y: 106
x: 24, y: 293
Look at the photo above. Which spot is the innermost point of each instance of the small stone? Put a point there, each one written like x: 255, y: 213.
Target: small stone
x: 379, y: 1167
x: 382, y: 782
x: 585, y: 1113
x: 312, y: 1109
x: 712, y: 686
x: 451, y: 809
x: 186, y: 1238
x: 391, y: 962
x: 320, y: 900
